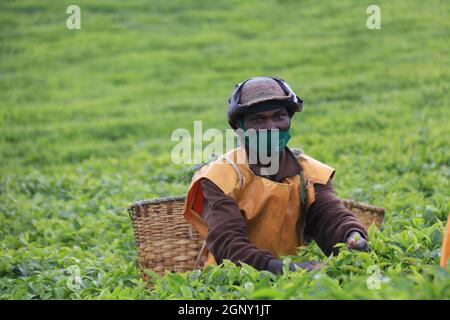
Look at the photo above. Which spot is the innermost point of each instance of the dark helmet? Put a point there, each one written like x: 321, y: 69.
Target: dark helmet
x: 259, y: 94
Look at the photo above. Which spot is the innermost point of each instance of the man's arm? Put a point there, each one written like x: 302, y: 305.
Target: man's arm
x: 328, y: 222
x: 227, y: 230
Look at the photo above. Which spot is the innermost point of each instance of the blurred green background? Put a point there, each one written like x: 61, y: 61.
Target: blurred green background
x: 86, y: 118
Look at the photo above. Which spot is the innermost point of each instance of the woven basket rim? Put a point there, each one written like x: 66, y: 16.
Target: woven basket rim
x: 365, y: 207
x: 145, y: 202
x: 354, y: 204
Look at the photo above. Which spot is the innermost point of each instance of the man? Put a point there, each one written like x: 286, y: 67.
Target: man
x: 251, y: 215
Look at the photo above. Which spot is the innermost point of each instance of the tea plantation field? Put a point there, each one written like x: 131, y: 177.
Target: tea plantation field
x: 86, y: 118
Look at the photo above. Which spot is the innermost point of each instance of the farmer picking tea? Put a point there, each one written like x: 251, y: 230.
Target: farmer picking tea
x: 262, y: 200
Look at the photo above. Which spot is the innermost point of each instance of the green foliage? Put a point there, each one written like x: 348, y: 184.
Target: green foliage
x: 403, y: 273
x: 86, y: 119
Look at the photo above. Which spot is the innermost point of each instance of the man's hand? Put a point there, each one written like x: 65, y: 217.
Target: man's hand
x: 356, y: 242
x: 276, y: 266
x: 307, y: 265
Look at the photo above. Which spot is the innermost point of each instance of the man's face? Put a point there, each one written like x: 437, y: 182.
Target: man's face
x: 271, y: 119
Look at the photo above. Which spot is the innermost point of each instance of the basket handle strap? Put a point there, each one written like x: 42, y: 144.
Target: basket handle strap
x: 130, y: 213
x: 239, y: 174
x: 200, y: 254
x: 301, y: 222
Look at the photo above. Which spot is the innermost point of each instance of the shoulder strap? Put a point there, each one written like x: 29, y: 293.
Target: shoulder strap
x: 235, y: 167
x: 301, y: 222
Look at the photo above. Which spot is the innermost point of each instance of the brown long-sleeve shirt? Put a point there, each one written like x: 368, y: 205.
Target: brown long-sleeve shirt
x: 327, y: 221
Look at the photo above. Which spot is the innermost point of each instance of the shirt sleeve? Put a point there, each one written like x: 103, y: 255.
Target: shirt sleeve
x: 227, y: 236
x: 328, y: 222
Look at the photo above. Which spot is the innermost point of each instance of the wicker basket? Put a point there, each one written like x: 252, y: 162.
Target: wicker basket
x: 165, y: 241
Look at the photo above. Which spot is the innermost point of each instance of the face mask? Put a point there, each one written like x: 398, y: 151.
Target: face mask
x: 262, y: 140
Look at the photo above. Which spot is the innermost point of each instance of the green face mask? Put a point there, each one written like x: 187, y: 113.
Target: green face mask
x: 262, y: 141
